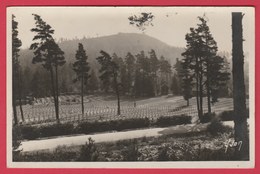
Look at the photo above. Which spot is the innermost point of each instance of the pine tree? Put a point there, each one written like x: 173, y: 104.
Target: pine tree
x: 16, y: 70
x: 187, y: 79
x: 192, y: 63
x: 201, y: 59
x: 154, y: 67
x: 121, y: 72
x: 81, y: 68
x: 48, y: 53
x: 36, y: 85
x: 93, y: 81
x: 109, y: 75
x: 141, y: 21
x: 165, y: 72
x: 178, y: 67
x: 144, y: 84
x: 130, y: 72
x: 175, y: 85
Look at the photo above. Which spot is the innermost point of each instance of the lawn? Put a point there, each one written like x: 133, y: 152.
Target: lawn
x: 100, y: 108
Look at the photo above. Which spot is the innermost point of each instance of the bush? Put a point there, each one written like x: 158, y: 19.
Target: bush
x: 173, y: 120
x: 30, y: 132
x: 216, y: 127
x: 16, y: 142
x: 118, y: 125
x: 89, y: 152
x: 229, y: 115
x: 56, y: 130
x: 132, y: 123
x: 131, y: 153
x: 207, y: 117
x: 163, y: 154
x: 34, y: 132
x: 61, y: 153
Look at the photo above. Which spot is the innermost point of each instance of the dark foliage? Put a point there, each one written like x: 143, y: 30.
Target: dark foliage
x: 173, y: 120
x: 30, y: 132
x: 89, y: 152
x: 229, y: 115
x: 34, y: 132
x: 207, y: 117
x: 60, y: 154
x: 56, y: 130
x: 118, y: 125
x: 130, y: 152
x: 143, y: 20
x: 216, y: 127
x: 163, y: 154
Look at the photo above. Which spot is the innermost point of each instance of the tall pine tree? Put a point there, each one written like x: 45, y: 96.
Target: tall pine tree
x: 201, y: 59
x: 109, y: 74
x: 48, y: 53
x: 130, y: 72
x: 81, y: 68
x: 93, y: 81
x: 16, y: 71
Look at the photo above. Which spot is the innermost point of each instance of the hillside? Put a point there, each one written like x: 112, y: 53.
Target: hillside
x: 119, y: 43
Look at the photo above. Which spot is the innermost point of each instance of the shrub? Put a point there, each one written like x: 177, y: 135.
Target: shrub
x: 89, y: 152
x: 118, y: 125
x: 56, y: 130
x: 132, y: 123
x: 206, y: 154
x: 16, y: 142
x: 130, y: 153
x: 33, y: 132
x: 30, y: 132
x: 163, y: 154
x: 61, y: 153
x: 216, y: 127
x: 173, y: 120
x: 229, y: 115
x: 207, y: 117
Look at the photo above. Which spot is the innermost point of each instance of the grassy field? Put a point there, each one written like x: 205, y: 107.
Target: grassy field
x: 105, y: 108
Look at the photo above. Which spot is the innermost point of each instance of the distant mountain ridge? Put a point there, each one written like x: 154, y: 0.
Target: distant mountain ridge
x: 120, y: 44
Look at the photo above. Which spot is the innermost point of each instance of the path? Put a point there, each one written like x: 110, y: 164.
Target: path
x: 76, y: 140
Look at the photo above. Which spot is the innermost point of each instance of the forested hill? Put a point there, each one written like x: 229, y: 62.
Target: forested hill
x: 119, y: 43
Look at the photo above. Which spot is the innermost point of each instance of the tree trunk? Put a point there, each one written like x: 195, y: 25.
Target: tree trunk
x: 14, y: 109
x: 240, y: 118
x: 118, y: 95
x: 82, y: 94
x: 19, y: 93
x: 57, y: 92
x: 197, y: 89
x: 118, y: 104
x: 14, y: 96
x: 201, y: 94
x: 208, y: 89
x: 54, y: 95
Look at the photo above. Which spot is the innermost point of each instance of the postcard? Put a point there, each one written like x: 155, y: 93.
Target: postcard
x: 130, y: 87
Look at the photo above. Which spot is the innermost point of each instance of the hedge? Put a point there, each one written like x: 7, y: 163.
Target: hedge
x: 173, y: 120
x: 229, y: 115
x: 33, y: 132
x: 207, y: 117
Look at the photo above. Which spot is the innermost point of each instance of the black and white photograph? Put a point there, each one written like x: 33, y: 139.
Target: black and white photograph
x: 130, y: 87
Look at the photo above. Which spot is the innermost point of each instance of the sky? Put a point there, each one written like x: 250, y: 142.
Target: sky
x: 170, y: 24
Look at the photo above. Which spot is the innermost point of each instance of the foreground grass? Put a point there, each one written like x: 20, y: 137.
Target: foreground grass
x: 200, y: 146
